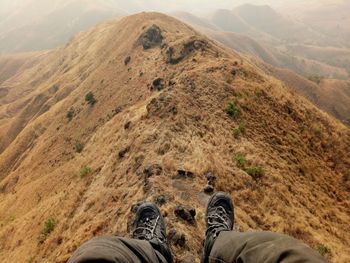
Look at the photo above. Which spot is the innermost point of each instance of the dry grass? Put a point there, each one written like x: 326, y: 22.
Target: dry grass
x: 182, y: 127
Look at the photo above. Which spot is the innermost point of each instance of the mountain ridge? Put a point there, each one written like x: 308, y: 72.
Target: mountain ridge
x: 168, y: 107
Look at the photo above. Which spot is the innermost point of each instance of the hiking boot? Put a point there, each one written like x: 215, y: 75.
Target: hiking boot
x: 219, y: 215
x: 149, y: 225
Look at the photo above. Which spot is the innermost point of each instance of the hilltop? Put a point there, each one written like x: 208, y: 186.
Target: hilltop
x: 146, y: 108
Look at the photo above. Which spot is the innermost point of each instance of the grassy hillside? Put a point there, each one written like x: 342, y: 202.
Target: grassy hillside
x: 13, y: 64
x: 330, y: 95
x: 89, y: 133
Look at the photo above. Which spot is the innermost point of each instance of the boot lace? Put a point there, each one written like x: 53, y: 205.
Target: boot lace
x: 147, y: 229
x: 217, y: 221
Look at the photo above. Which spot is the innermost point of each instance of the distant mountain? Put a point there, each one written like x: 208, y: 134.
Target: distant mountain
x: 295, y: 43
x: 13, y: 64
x: 32, y: 27
x: 267, y: 47
x: 196, y: 21
x: 308, y: 38
x: 331, y: 19
x: 267, y: 20
x: 229, y: 21
x: 264, y: 23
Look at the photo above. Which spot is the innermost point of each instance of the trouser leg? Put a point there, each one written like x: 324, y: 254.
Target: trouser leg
x: 256, y: 247
x: 116, y: 249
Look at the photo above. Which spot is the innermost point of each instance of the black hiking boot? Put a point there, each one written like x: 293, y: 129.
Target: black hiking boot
x: 149, y: 225
x: 219, y: 217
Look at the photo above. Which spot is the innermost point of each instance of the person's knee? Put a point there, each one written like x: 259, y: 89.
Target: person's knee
x: 257, y: 246
x: 99, y: 249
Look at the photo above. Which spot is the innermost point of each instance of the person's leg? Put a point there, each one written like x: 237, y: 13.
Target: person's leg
x: 224, y: 245
x: 219, y: 217
x: 116, y: 249
x: 267, y: 247
x: 148, y: 243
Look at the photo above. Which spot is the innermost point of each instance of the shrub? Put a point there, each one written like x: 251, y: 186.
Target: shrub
x: 241, y: 160
x: 49, y: 226
x: 238, y: 131
x: 229, y: 78
x: 315, y: 78
x: 323, y: 250
x: 90, y: 98
x: 70, y: 114
x: 255, y: 171
x: 259, y: 93
x: 232, y: 110
x: 86, y: 170
x: 319, y: 132
x: 79, y: 147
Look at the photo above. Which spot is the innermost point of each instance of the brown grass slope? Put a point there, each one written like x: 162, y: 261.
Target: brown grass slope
x: 12, y: 64
x: 330, y: 95
x: 304, y: 191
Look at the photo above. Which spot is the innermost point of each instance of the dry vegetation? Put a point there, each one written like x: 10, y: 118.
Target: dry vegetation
x: 12, y: 64
x: 330, y: 95
x: 163, y: 109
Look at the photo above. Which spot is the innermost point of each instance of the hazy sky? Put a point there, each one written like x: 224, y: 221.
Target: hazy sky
x: 187, y: 5
x: 195, y: 6
x: 132, y: 6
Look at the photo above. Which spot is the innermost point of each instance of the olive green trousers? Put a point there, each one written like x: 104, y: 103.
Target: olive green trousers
x: 228, y: 247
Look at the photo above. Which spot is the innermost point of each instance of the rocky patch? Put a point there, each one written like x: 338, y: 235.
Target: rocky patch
x: 152, y: 169
x: 175, y: 54
x: 151, y: 38
x: 162, y: 106
x: 185, y: 213
x: 210, y: 178
x: 127, y: 125
x: 177, y: 239
x: 182, y: 174
x: 208, y: 189
x: 158, y: 84
x: 160, y: 200
x: 123, y: 152
x: 127, y: 60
